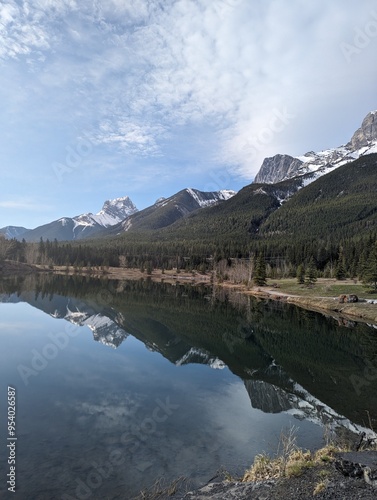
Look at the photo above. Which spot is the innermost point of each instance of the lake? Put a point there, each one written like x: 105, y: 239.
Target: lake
x: 119, y: 384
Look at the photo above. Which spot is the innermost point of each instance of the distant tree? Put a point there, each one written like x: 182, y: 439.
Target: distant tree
x: 340, y: 270
x: 149, y: 268
x: 260, y: 271
x: 311, y: 273
x: 3, y: 248
x: 370, y: 270
x: 300, y: 274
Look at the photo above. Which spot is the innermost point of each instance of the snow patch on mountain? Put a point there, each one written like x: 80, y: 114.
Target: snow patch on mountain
x: 208, y: 199
x: 195, y: 355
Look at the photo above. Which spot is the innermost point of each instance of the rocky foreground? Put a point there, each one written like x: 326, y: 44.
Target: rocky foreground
x: 350, y: 475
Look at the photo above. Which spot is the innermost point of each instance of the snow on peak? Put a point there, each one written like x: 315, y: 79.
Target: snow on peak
x: 205, y: 199
x: 113, y: 212
x: 225, y: 194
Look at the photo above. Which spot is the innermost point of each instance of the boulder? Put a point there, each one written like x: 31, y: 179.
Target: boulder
x: 350, y: 298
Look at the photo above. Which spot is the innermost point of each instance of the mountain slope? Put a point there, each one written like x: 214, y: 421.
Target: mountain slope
x: 282, y: 167
x: 166, y: 211
x: 85, y: 225
x: 234, y: 219
x: 13, y: 232
x: 343, y: 202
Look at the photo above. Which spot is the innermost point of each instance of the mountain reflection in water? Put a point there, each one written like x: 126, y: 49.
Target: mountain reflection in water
x: 290, y: 361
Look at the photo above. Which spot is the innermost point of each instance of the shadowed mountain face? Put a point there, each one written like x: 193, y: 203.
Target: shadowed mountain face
x: 290, y: 360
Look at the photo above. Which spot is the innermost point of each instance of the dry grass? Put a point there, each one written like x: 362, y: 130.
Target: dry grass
x: 326, y: 454
x: 291, y: 460
x: 264, y: 467
x: 322, y: 485
x: 324, y: 287
x: 161, y: 489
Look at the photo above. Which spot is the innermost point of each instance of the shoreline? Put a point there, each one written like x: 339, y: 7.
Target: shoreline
x: 361, y: 311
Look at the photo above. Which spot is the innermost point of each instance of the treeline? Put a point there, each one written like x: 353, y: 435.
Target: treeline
x: 355, y: 257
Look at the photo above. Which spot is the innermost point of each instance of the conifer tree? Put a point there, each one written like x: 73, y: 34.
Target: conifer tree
x: 311, y: 273
x: 370, y: 270
x: 300, y: 274
x: 260, y: 271
x: 340, y: 270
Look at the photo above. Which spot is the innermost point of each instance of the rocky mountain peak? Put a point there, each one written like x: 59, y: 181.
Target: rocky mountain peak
x: 114, y: 211
x: 366, y: 133
x: 119, y: 207
x: 278, y: 167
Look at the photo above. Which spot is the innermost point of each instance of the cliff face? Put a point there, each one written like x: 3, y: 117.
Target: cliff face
x: 366, y: 134
x: 278, y: 168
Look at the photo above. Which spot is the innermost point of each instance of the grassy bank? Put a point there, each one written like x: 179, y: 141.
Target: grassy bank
x: 322, y: 297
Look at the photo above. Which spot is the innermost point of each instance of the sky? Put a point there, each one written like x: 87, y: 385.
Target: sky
x: 106, y: 98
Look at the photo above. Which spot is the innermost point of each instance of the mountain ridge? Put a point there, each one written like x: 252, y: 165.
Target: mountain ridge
x: 166, y: 211
x: 84, y: 225
x: 282, y: 167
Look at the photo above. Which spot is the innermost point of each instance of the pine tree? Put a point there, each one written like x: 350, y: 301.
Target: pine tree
x: 300, y: 274
x: 340, y: 270
x: 260, y: 271
x: 311, y: 273
x: 370, y: 270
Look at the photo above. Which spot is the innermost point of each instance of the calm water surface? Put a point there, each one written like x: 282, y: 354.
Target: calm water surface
x: 121, y: 383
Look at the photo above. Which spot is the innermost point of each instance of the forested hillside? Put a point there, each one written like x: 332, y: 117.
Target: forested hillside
x: 331, y: 222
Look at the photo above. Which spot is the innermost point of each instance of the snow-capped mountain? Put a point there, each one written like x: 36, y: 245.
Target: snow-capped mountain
x: 300, y: 403
x: 85, y: 225
x: 282, y: 167
x: 114, y: 211
x: 105, y: 330
x: 166, y: 211
x: 13, y: 232
x: 104, y: 325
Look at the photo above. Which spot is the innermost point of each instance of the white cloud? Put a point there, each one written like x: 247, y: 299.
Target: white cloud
x: 131, y: 137
x: 23, y: 205
x: 135, y: 72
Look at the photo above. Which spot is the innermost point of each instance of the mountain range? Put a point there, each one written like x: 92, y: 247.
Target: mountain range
x: 76, y: 228
x: 270, y: 387
x: 119, y: 215
x: 281, y: 183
